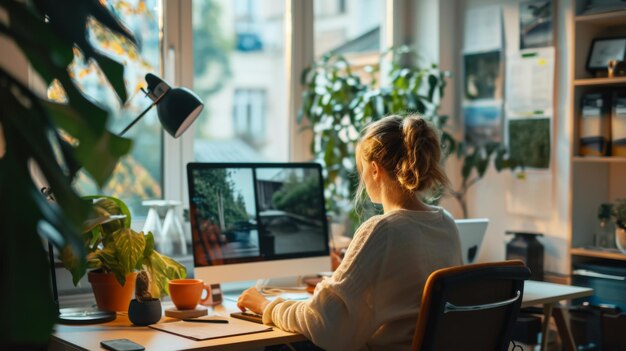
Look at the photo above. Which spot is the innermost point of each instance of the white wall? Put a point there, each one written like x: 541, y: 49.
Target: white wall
x: 488, y: 197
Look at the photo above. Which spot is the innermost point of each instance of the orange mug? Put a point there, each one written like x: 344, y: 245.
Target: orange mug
x: 187, y: 293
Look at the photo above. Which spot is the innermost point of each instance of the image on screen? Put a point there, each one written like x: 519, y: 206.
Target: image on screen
x: 254, y: 213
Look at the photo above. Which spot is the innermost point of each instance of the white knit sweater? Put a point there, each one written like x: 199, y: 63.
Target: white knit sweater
x: 373, y: 298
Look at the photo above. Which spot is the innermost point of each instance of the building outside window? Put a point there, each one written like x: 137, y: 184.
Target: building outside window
x: 348, y: 27
x: 240, y: 44
x: 249, y: 116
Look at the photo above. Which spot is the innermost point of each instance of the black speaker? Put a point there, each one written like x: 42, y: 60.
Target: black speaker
x: 525, y: 246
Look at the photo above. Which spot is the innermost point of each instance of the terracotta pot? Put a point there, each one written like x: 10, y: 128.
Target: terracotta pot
x: 110, y: 295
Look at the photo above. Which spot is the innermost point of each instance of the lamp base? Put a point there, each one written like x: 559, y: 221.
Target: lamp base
x: 86, y: 315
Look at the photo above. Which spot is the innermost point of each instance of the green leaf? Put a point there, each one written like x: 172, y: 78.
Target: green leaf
x: 114, y: 72
x: 482, y: 163
x: 97, y: 9
x: 110, y: 262
x: 162, y: 269
x: 129, y: 246
x: 75, y: 264
x: 109, y: 147
x: 468, y: 164
x: 111, y: 205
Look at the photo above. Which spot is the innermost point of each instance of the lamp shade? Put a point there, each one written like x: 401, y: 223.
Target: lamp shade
x: 178, y: 109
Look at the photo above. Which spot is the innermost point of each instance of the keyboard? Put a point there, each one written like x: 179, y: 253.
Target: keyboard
x: 249, y: 316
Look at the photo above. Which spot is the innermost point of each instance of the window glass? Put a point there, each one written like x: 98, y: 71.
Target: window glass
x: 137, y: 176
x: 347, y: 26
x: 239, y: 72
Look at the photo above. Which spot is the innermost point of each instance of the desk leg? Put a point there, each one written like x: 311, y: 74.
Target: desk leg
x: 565, y: 332
x: 547, y: 313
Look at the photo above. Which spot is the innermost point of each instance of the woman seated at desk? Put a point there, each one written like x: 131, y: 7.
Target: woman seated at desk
x: 373, y: 298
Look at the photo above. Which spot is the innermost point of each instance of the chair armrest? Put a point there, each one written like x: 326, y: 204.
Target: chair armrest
x: 454, y: 308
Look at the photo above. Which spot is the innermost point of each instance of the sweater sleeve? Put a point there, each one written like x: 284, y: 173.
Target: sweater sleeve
x: 340, y: 316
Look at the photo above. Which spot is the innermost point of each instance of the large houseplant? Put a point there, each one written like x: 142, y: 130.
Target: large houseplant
x: 47, y: 32
x: 115, y: 249
x: 338, y: 102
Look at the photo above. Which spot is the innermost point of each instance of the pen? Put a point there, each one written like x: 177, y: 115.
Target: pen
x: 198, y: 320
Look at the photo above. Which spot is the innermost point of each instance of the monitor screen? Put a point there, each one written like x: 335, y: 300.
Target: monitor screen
x: 471, y: 234
x: 257, y: 220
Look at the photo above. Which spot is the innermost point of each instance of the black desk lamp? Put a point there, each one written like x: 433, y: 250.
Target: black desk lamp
x: 177, y: 107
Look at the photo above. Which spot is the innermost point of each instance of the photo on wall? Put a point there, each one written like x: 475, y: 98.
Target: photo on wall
x: 535, y: 18
x: 529, y: 141
x: 483, y: 76
x: 483, y: 122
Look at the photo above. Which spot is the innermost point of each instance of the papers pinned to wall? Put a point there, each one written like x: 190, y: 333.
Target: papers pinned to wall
x: 530, y: 83
x: 483, y: 29
x: 529, y: 106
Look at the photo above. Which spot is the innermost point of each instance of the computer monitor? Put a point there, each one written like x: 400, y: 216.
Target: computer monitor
x: 257, y: 220
x: 471, y: 233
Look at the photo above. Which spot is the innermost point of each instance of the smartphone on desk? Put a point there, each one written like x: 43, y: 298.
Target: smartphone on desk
x: 121, y: 345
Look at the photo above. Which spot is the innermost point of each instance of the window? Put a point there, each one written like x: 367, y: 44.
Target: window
x: 348, y: 26
x: 239, y: 72
x: 138, y: 176
x: 249, y: 116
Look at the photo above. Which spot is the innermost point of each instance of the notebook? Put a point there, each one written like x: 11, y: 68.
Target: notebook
x: 205, y: 331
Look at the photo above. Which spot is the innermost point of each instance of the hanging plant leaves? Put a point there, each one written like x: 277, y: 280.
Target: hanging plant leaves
x: 47, y: 33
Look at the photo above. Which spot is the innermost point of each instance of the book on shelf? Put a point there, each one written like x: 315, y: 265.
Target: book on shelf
x: 594, y: 122
x: 618, y: 124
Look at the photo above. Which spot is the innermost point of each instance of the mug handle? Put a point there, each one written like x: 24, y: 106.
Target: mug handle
x: 206, y: 289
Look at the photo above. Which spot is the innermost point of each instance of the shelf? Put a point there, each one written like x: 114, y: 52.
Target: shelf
x: 613, y: 18
x: 600, y: 81
x: 598, y: 159
x: 598, y: 254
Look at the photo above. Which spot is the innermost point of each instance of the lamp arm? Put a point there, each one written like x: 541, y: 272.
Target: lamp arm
x: 137, y: 119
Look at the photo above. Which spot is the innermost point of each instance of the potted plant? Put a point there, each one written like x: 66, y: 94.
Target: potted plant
x: 115, y: 253
x: 339, y: 102
x: 619, y: 212
x: 49, y: 33
x: 144, y: 309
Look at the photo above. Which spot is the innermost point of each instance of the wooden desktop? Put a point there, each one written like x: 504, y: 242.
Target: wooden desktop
x: 88, y: 337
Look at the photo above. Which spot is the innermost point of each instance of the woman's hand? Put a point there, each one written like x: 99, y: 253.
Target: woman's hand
x: 253, y: 300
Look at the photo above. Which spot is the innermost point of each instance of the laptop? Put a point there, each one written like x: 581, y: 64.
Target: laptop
x: 471, y: 233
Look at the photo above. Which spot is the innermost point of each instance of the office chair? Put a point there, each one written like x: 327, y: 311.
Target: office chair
x: 470, y: 307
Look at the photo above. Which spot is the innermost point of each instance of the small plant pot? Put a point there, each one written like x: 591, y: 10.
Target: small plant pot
x: 145, y: 312
x: 110, y: 295
x: 620, y: 236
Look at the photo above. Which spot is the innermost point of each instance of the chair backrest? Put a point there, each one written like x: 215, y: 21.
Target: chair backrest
x: 470, y: 307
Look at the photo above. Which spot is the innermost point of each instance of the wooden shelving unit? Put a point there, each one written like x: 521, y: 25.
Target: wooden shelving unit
x: 601, y: 82
x: 614, y: 18
x: 598, y: 254
x: 594, y: 180
x: 591, y: 159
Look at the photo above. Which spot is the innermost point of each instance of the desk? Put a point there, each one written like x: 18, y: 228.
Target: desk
x: 548, y: 295
x: 88, y: 337
x: 68, y: 337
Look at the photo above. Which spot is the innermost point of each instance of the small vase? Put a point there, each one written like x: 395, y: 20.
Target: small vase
x: 145, y: 312
x: 620, y: 236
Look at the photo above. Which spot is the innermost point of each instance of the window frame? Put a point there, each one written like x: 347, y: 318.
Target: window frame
x: 177, y: 63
